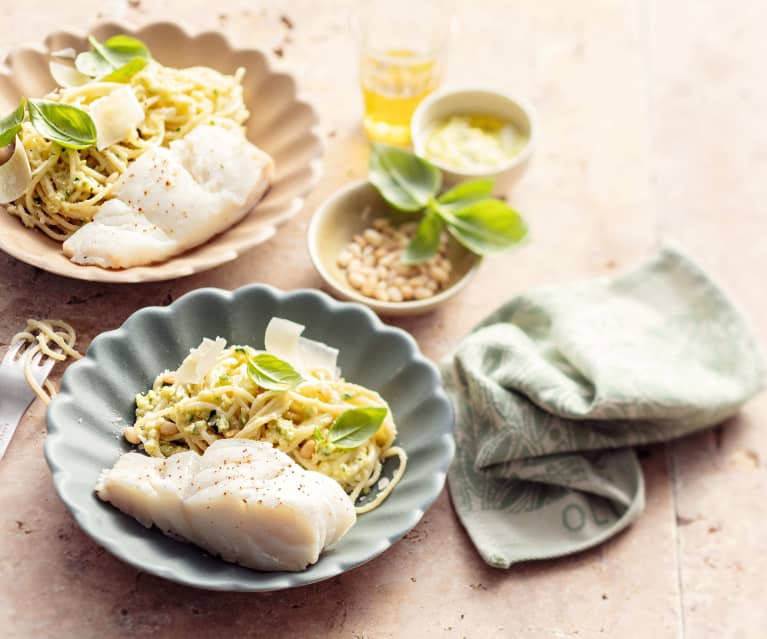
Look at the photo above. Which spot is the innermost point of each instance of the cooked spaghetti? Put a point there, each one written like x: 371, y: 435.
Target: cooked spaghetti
x: 68, y: 186
x: 174, y: 417
x: 50, y: 338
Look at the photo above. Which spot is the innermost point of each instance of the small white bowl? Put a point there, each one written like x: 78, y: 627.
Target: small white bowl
x: 350, y: 210
x: 442, y: 104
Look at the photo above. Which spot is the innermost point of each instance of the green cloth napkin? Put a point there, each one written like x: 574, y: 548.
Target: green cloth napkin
x: 554, y: 387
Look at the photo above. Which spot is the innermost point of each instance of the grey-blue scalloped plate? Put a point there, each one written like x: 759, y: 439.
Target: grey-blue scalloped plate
x: 96, y: 401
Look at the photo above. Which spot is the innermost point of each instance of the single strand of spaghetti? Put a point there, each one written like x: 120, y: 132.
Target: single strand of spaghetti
x: 333, y: 409
x: 253, y: 424
x: 43, y: 395
x: 383, y: 494
x: 236, y: 391
x: 373, y: 478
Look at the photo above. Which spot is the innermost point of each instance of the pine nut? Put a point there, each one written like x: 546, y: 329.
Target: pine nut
x: 308, y: 448
x: 387, y: 259
x: 130, y: 435
x: 382, y: 295
x: 373, y: 237
x: 421, y: 293
x: 168, y: 429
x: 357, y: 280
x: 395, y: 295
x: 439, y: 274
x: 407, y: 291
x: 344, y: 258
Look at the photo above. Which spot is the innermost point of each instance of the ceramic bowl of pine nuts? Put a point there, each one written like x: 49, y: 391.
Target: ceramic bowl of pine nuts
x: 355, y: 240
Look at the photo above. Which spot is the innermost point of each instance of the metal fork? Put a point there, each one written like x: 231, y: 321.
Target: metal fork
x: 15, y: 394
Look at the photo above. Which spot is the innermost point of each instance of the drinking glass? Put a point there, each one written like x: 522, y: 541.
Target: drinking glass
x: 402, y: 47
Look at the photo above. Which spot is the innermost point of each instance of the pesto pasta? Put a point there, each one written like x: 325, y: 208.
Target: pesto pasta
x: 174, y: 417
x: 68, y: 186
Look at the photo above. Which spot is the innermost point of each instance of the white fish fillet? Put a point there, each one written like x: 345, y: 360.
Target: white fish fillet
x: 172, y: 199
x: 243, y: 500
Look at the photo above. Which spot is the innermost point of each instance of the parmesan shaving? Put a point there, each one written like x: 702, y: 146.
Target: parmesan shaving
x: 318, y: 355
x: 116, y: 117
x: 67, y: 76
x: 200, y: 360
x: 283, y: 339
x: 15, y: 174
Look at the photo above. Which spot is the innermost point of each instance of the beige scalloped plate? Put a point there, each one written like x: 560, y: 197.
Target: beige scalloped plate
x: 280, y: 123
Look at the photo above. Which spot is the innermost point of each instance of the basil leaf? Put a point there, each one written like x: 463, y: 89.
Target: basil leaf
x: 487, y: 226
x: 355, y: 426
x: 425, y: 243
x: 92, y: 64
x: 404, y: 180
x: 467, y: 193
x: 272, y: 373
x: 10, y: 125
x: 111, y: 56
x: 119, y: 50
x: 126, y: 71
x: 63, y: 123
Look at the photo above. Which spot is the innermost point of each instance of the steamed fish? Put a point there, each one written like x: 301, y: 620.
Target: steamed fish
x: 174, y: 198
x: 242, y: 500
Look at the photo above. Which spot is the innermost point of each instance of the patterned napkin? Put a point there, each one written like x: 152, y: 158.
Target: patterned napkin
x: 553, y: 388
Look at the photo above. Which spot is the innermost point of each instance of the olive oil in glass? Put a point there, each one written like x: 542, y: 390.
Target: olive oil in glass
x: 401, y: 46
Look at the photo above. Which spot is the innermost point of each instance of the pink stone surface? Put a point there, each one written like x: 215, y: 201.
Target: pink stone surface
x: 652, y: 123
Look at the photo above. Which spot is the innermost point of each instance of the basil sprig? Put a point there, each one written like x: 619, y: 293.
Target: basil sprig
x: 116, y: 60
x: 10, y: 125
x: 65, y: 124
x: 483, y: 224
x: 272, y: 373
x: 406, y: 181
x: 355, y: 426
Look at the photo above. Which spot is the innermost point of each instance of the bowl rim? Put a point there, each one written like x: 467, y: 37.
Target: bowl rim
x: 418, y: 127
x: 55, y: 426
x: 177, y: 266
x: 312, y: 240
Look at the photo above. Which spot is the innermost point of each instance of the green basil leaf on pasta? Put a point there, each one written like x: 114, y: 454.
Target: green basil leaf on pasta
x: 92, y: 64
x: 272, y: 373
x: 112, y: 56
x: 405, y: 181
x: 119, y: 50
x: 467, y: 193
x: 487, y: 226
x: 63, y: 123
x: 425, y: 242
x: 126, y: 71
x: 355, y: 426
x: 10, y: 125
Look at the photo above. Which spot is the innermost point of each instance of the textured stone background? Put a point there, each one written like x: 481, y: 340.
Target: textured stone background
x: 653, y: 125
